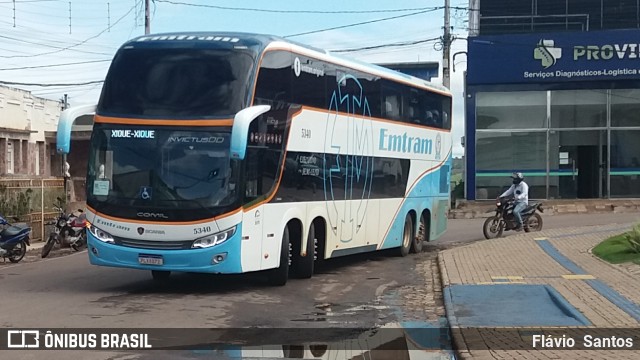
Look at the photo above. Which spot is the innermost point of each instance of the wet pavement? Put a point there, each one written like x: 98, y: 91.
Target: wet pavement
x: 344, y: 312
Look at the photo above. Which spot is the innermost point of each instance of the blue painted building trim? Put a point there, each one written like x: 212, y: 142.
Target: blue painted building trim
x: 470, y: 146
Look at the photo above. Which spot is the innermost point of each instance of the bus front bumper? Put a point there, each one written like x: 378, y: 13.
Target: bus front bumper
x: 220, y: 259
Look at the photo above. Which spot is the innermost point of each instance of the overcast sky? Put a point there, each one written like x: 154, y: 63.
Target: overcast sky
x: 62, y: 42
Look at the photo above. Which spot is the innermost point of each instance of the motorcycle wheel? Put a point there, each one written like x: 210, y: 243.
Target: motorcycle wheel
x: 18, y: 252
x: 534, y: 223
x: 46, y: 249
x: 492, y: 228
x: 76, y: 246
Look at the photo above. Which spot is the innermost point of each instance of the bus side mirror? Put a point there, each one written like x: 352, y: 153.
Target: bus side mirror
x: 240, y: 129
x: 67, y: 118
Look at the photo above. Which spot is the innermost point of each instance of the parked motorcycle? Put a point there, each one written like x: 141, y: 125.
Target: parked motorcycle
x: 505, y: 220
x: 69, y: 230
x: 14, y: 240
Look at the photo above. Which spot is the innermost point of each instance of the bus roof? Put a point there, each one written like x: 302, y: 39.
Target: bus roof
x: 261, y: 42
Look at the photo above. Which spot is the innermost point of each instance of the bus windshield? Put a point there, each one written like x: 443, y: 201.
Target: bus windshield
x: 161, y: 168
x: 176, y: 83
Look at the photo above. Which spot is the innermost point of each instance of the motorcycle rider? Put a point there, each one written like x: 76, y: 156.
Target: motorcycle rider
x: 520, y: 192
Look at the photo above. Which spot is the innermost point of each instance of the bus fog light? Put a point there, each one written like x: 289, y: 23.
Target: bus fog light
x: 218, y: 258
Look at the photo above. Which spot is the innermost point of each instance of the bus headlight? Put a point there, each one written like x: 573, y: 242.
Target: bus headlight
x: 101, y: 234
x: 215, y: 239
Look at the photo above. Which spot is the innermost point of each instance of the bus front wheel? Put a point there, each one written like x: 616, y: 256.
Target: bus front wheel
x: 280, y: 275
x: 159, y: 275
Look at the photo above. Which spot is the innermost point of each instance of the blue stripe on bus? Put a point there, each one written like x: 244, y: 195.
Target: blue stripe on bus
x: 415, y: 201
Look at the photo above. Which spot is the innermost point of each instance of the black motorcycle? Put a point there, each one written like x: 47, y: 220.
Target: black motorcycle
x: 69, y: 230
x: 505, y: 220
x: 14, y: 239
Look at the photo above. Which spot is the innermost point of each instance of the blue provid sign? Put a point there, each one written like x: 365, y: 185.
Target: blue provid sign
x: 554, y: 57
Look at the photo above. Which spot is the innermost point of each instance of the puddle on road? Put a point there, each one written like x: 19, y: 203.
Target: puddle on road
x: 392, y: 342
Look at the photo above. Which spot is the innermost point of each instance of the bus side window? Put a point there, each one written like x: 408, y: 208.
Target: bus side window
x: 253, y: 178
x: 392, y: 107
x: 391, y: 102
x: 262, y: 161
x: 446, y: 113
x: 446, y: 124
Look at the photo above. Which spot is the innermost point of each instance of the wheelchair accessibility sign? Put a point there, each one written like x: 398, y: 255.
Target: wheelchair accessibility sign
x: 145, y: 192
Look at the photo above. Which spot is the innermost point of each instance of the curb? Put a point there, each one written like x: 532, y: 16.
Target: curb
x: 460, y: 349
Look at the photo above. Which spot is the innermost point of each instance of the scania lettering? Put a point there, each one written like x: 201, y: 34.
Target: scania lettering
x: 232, y: 153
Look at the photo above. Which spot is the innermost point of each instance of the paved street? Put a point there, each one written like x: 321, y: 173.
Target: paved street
x: 358, y: 291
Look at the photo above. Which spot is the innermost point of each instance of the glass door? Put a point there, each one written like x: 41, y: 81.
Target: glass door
x: 578, y: 164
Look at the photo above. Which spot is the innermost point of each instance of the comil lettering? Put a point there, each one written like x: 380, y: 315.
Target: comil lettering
x: 606, y: 52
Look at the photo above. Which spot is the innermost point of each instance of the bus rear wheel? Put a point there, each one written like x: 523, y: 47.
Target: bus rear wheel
x: 418, y: 240
x: 280, y: 275
x: 407, y: 236
x: 303, y: 265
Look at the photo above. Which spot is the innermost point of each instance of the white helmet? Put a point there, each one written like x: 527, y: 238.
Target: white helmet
x: 517, y: 177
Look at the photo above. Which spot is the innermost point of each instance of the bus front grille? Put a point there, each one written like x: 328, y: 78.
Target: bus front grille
x: 153, y: 244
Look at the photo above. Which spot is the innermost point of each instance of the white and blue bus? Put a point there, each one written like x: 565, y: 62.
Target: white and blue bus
x: 233, y: 153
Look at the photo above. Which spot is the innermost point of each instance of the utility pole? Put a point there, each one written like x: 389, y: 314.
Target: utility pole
x: 65, y: 105
x: 446, y: 47
x: 147, y: 24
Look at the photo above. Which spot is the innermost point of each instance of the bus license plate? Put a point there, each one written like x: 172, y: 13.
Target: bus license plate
x: 150, y: 259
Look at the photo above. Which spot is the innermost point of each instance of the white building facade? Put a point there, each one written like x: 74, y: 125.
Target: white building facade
x: 27, y: 148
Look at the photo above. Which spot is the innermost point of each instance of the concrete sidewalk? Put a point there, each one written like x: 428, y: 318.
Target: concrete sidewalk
x: 602, y: 294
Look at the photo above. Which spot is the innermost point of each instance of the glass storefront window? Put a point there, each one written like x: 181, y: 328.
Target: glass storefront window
x: 625, y: 107
x: 578, y: 108
x: 583, y: 161
x: 625, y: 163
x: 511, y: 110
x: 498, y: 154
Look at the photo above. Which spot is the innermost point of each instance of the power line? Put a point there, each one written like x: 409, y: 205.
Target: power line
x: 404, y: 43
x: 47, y: 85
x: 294, y: 11
x: 53, y: 65
x: 27, y: 1
x: 46, y: 45
x: 74, y: 45
x: 365, y: 22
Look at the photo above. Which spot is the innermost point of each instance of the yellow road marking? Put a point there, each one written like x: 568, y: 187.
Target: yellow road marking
x: 507, y: 278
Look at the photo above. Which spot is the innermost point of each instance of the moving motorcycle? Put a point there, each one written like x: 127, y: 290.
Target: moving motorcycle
x: 14, y: 240
x: 70, y: 230
x: 505, y: 220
